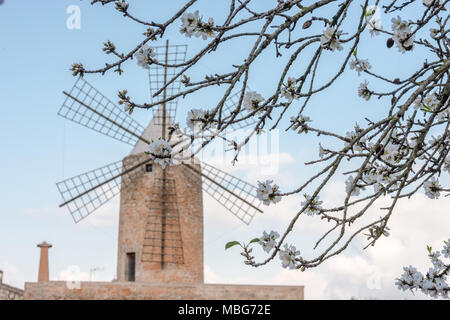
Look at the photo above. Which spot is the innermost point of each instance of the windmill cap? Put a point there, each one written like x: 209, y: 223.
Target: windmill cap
x: 154, y: 132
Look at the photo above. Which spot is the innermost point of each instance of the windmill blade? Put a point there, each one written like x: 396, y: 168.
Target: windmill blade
x: 85, y: 193
x: 236, y: 195
x: 230, y: 106
x: 85, y: 105
x: 160, y: 75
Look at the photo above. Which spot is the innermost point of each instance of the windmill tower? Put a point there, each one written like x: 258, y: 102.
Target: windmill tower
x: 161, y: 209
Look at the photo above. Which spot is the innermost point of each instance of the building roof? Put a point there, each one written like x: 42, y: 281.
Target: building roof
x: 153, y: 131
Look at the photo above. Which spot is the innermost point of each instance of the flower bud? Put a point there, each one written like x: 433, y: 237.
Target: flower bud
x: 307, y: 24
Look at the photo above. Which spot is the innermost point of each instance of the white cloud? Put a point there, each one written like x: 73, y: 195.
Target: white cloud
x: 105, y: 216
x: 359, y: 273
x: 12, y: 275
x: 254, y: 166
x: 73, y: 274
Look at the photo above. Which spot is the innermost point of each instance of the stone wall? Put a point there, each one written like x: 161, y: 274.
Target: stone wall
x: 10, y: 293
x: 136, y: 202
x: 58, y: 290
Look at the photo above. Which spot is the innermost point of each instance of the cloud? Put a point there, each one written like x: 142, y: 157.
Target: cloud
x: 254, y: 166
x: 12, y: 275
x: 363, y: 274
x: 105, y: 216
x: 73, y: 274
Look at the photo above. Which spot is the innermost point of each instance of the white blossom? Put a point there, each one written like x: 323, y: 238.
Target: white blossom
x: 374, y: 25
x: 447, y: 164
x: 432, y: 188
x: 403, y: 36
x: 429, y: 102
x: 410, y: 279
x: 322, y: 151
x: 444, y: 114
x: 314, y: 207
x: 437, y: 142
x: 349, y: 184
x: 390, y: 151
x: 434, y: 33
x: 430, y: 2
x: 144, y: 56
x: 189, y: 22
x: 288, y: 256
x: 360, y: 144
x: 436, y: 261
x: 192, y: 25
x: 446, y: 250
x: 384, y: 176
x: 360, y: 65
x: 194, y: 117
x: 252, y: 100
x: 122, y: 6
x: 330, y: 39
x: 363, y: 91
x: 268, y: 240
x: 300, y: 122
x: 267, y: 192
x: 370, y: 177
x: 161, y: 152
x: 205, y: 30
x: 289, y: 90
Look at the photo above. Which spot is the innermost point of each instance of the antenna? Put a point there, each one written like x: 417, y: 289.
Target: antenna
x: 92, y: 272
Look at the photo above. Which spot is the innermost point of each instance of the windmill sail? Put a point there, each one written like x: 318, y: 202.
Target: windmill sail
x: 229, y: 107
x: 160, y: 75
x: 236, y: 195
x: 85, y: 193
x: 85, y: 105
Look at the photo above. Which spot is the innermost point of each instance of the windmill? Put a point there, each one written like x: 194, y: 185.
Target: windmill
x: 161, y: 210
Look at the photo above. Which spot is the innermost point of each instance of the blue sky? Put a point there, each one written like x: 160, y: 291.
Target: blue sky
x: 40, y: 148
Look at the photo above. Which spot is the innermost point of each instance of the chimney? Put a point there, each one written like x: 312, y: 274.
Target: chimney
x: 43, y: 262
x: 1, y: 276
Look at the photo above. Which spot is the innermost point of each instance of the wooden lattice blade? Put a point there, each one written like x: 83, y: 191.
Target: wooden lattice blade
x: 236, y: 195
x: 86, y: 106
x: 229, y: 107
x: 85, y: 193
x: 159, y: 76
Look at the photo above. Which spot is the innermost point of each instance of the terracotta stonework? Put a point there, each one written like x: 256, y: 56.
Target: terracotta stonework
x: 43, y: 274
x: 134, y: 210
x: 57, y: 290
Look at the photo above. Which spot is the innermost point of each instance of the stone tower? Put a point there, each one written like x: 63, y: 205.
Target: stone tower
x: 43, y: 274
x: 144, y: 254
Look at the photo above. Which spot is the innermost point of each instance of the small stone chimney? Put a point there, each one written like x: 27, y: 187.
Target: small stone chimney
x: 43, y: 274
